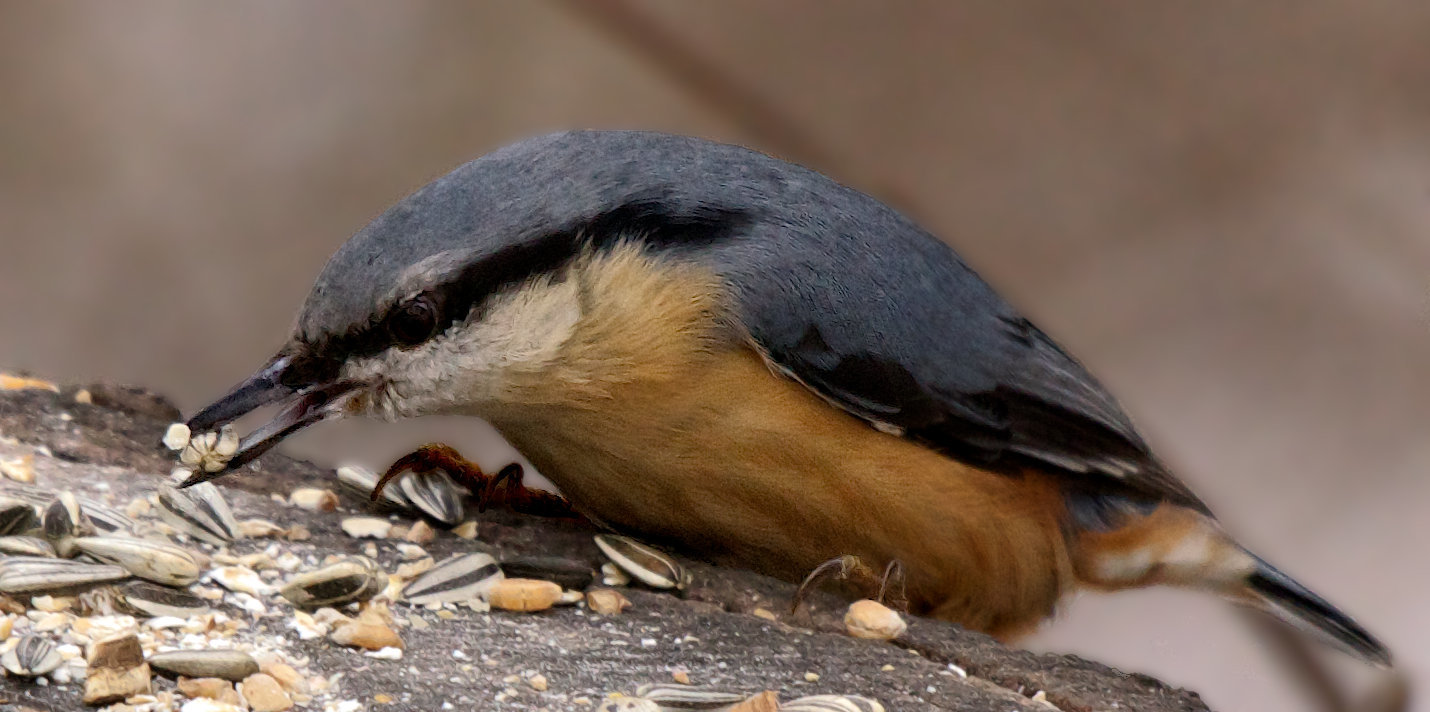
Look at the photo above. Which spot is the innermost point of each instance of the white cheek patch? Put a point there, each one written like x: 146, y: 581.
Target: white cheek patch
x: 522, y: 330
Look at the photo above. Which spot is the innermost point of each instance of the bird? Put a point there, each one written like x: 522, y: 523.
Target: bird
x: 708, y: 347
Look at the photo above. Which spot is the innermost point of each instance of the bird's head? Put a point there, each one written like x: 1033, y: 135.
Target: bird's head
x: 441, y: 299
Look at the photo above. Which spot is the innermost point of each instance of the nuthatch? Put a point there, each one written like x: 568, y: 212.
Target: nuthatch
x: 705, y: 346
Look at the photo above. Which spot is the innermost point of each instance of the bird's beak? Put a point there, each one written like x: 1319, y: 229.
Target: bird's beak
x: 302, y: 406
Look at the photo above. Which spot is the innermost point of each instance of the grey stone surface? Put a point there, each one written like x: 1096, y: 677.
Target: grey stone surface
x: 112, y: 451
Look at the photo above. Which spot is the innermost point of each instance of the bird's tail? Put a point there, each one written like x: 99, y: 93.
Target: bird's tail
x: 1282, y: 597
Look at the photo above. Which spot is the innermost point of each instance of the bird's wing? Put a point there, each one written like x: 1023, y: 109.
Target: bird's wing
x: 925, y: 349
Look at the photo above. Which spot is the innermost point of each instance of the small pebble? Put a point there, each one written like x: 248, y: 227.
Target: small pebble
x: 466, y: 530
x: 367, y: 636
x: 606, y: 601
x: 314, y: 499
x: 264, y: 694
x: 537, y: 682
x: 811, y: 677
x: 526, y: 595
x: 385, y: 654
x: 766, y: 701
x: 115, y: 670
x: 212, y: 688
x: 420, y: 533
x: 289, y: 678
x: 20, y: 469
x: 366, y: 527
x: 873, y: 620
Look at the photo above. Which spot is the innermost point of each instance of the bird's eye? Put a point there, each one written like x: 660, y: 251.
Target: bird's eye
x: 413, y: 322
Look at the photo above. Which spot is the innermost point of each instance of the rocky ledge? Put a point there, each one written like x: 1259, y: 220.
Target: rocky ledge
x: 730, y: 630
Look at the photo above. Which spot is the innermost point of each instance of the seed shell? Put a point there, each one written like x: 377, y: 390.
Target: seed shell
x: 17, y: 517
x: 459, y: 578
x: 63, y: 518
x: 231, y: 665
x: 434, y: 494
x: 647, y: 565
x: 526, y: 595
x: 20, y: 545
x: 200, y: 511
x: 686, y: 697
x: 363, y: 481
x: 568, y: 573
x: 97, y: 515
x: 627, y: 704
x: 155, y: 561
x: 32, y: 574
x: 154, y: 601
x: 31, y: 657
x: 356, y: 579
x: 832, y: 703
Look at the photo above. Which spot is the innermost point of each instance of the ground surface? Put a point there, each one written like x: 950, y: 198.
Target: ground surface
x: 109, y: 450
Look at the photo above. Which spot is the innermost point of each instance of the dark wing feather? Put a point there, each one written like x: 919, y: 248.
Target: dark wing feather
x: 1040, y: 408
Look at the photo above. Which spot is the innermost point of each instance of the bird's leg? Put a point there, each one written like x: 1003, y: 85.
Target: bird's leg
x: 843, y: 568
x: 891, y: 587
x: 504, y: 489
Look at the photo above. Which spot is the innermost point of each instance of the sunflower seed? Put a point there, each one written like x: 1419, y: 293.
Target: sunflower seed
x: 104, y: 519
x: 95, y: 513
x: 627, y: 704
x: 363, y: 481
x: 18, y: 545
x: 63, y: 517
x: 356, y: 579
x: 832, y: 703
x: 200, y: 511
x: 32, y: 574
x: 31, y: 657
x: 569, y: 573
x: 649, y: 566
x: 157, y: 562
x: 460, y: 578
x: 685, y: 697
x: 232, y: 665
x: 17, y: 517
x: 153, y: 601
x: 434, y: 494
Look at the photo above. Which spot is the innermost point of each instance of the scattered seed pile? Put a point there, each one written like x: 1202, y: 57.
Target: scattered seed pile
x: 293, y: 591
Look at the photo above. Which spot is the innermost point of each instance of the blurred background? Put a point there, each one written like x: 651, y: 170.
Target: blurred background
x: 1222, y: 208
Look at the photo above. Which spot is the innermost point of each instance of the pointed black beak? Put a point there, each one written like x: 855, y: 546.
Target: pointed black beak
x: 303, y: 406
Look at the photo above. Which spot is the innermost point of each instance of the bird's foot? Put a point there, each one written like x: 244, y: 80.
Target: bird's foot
x: 890, y: 585
x: 503, y: 489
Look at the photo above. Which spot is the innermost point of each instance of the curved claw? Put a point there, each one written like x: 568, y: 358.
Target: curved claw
x: 893, y: 573
x: 432, y: 456
x: 838, y: 568
x: 512, y: 473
